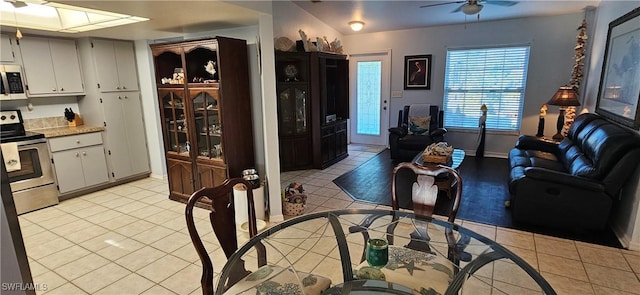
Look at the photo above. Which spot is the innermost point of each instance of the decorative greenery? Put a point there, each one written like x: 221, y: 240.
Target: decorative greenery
x: 576, y: 73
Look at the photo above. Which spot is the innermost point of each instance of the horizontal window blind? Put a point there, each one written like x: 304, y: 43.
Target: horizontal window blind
x: 492, y: 76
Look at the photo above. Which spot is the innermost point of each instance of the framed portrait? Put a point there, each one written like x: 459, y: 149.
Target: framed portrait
x: 619, y: 89
x: 417, y: 72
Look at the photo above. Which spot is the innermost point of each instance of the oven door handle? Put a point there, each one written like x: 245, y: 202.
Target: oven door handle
x: 31, y: 142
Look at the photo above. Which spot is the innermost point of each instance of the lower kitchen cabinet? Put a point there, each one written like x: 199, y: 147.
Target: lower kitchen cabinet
x: 79, y: 161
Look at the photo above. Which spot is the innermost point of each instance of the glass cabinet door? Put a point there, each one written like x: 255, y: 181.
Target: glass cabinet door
x: 174, y: 119
x: 208, y: 123
x: 293, y: 108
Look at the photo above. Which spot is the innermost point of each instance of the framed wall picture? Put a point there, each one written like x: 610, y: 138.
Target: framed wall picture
x: 417, y: 72
x: 619, y: 89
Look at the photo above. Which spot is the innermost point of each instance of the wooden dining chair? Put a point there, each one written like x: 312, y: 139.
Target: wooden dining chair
x: 419, y: 183
x: 424, y: 194
x: 219, y: 201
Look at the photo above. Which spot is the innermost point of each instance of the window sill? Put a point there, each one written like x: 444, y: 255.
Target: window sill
x: 489, y: 131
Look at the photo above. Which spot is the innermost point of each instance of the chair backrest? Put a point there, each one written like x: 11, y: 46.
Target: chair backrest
x: 219, y: 200
x: 434, y: 112
x: 424, y: 191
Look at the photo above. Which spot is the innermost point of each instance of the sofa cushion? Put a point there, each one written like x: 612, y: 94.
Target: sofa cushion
x: 581, y: 166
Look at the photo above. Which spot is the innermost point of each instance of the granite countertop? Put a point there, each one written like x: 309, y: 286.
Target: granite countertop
x: 64, y: 131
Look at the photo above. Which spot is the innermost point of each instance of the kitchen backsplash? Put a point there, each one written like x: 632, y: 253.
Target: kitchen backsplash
x: 43, y: 123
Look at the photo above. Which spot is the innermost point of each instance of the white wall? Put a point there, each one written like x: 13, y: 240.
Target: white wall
x: 626, y: 215
x: 288, y: 18
x: 551, y: 38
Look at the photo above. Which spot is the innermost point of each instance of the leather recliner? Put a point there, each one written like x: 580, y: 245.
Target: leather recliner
x: 574, y: 183
x: 405, y: 146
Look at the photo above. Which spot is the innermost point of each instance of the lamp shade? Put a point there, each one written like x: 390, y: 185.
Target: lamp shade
x: 564, y: 97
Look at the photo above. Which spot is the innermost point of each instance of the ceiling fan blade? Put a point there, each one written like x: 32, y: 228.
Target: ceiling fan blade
x: 459, y: 8
x: 444, y: 3
x: 501, y: 3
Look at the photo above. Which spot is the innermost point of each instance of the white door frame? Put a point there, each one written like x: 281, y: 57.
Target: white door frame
x: 385, y: 57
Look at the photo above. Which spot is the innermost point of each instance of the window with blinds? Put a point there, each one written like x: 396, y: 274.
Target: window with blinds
x: 493, y: 76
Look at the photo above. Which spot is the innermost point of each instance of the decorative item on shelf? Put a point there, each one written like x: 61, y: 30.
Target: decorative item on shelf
x: 482, y: 131
x: 564, y: 97
x: 439, y: 153
x: 305, y: 41
x: 336, y: 46
x: 291, y: 73
x: 293, y: 200
x: 284, y: 44
x: 210, y: 67
x: 543, y: 113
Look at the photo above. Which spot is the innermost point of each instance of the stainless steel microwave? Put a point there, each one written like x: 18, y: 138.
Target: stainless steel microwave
x: 12, y: 82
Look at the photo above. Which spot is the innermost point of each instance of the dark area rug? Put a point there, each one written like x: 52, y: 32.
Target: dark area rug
x: 484, y: 193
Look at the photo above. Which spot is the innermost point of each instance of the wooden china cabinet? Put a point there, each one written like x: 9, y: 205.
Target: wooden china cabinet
x: 203, y: 92
x: 313, y: 108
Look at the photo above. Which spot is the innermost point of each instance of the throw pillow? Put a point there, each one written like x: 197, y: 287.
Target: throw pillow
x: 419, y: 125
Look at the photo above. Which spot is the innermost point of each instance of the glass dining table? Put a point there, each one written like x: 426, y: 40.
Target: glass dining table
x: 326, y: 253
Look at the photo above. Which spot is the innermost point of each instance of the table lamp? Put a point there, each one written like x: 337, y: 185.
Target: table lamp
x: 564, y: 97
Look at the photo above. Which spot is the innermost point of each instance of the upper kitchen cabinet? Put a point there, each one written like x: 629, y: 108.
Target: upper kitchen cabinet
x: 7, y: 54
x: 51, y: 67
x: 205, y: 109
x: 119, y: 110
x: 115, y: 64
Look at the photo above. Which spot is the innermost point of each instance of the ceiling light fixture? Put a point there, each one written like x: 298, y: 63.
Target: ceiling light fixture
x: 57, y: 17
x: 356, y: 25
x: 471, y: 9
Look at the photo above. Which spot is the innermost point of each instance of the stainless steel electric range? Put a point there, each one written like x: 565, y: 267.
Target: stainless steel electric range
x: 33, y: 185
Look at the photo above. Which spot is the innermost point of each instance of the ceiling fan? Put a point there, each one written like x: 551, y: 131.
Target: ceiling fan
x: 471, y: 7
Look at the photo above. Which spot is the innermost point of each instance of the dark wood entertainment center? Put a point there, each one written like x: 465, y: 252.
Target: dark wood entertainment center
x: 313, y: 108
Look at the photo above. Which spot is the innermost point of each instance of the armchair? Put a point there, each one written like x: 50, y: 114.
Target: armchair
x: 404, y: 146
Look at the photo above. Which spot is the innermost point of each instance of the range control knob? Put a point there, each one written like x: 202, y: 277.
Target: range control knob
x: 3, y: 118
x: 12, y: 117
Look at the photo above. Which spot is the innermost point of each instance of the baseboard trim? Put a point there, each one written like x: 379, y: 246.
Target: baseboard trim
x: 624, y: 239
x: 276, y: 218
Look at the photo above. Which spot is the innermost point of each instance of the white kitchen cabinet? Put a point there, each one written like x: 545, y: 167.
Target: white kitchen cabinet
x: 51, y: 67
x: 6, y: 51
x: 124, y: 134
x: 107, y: 65
x: 79, y: 161
x: 115, y: 65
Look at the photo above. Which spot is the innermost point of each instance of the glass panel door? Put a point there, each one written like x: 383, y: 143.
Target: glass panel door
x: 369, y: 98
x: 207, y: 119
x: 174, y: 119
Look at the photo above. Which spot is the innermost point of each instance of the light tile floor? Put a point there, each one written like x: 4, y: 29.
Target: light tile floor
x: 131, y: 239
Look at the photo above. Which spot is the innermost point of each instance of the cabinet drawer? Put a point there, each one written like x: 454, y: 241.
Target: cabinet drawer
x: 74, y: 141
x: 329, y: 130
x: 341, y: 125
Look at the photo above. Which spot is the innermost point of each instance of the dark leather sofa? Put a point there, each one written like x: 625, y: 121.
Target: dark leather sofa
x: 404, y: 146
x: 574, y: 183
